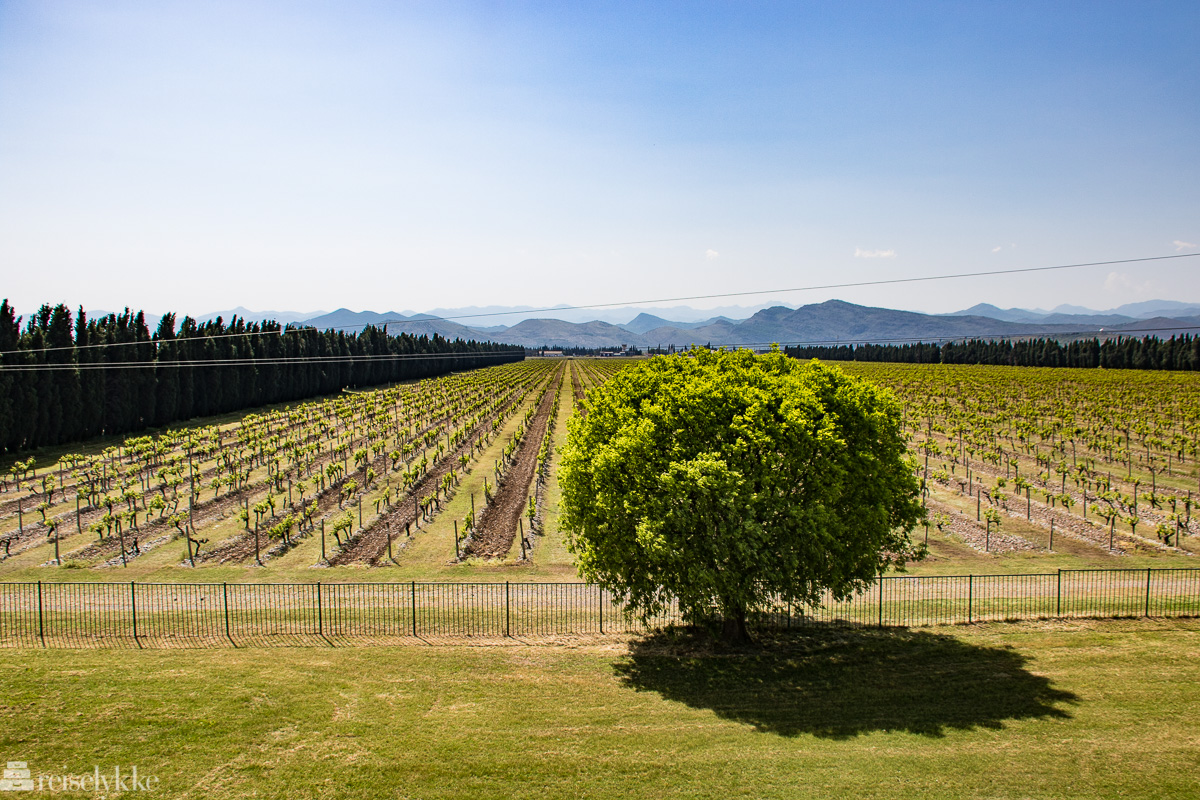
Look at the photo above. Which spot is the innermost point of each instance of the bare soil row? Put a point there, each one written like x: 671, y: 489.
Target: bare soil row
x: 371, y: 545
x: 498, y: 523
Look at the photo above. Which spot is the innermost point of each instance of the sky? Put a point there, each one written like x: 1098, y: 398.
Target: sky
x: 198, y: 156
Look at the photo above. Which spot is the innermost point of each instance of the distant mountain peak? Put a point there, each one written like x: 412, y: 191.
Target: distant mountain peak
x: 831, y: 321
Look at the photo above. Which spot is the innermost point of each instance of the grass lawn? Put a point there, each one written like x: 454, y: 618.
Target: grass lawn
x: 1053, y: 709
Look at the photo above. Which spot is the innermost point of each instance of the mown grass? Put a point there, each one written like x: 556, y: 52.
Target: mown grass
x: 1079, y: 709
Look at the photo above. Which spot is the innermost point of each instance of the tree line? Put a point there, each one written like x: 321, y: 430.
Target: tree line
x: 582, y: 351
x: 114, y: 376
x: 1149, y: 352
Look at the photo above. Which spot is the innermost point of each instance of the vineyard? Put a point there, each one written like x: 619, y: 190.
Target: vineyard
x: 460, y: 470
x: 1074, y: 460
x: 352, y: 480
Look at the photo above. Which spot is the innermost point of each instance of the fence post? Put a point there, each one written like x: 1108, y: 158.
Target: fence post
x: 225, y: 606
x: 881, y: 600
x: 881, y: 580
x: 1147, y: 614
x: 41, y: 625
x: 1058, y: 596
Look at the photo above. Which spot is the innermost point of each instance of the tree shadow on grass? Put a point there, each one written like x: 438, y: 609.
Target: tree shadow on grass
x: 839, y: 682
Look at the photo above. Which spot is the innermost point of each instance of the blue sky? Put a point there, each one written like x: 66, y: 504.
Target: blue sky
x: 198, y: 156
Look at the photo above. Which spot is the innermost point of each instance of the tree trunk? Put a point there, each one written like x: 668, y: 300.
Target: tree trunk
x: 733, y: 628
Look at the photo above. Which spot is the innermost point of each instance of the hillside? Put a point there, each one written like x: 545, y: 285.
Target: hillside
x: 833, y: 321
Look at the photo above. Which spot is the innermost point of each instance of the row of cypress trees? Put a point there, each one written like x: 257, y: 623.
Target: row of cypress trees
x: 1149, y: 352
x: 119, y: 378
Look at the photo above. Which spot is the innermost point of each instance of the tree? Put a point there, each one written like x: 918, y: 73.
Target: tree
x: 727, y: 480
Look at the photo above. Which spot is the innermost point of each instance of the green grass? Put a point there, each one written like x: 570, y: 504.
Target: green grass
x: 1078, y: 709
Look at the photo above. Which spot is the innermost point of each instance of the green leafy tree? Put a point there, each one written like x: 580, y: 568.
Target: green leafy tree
x: 727, y: 480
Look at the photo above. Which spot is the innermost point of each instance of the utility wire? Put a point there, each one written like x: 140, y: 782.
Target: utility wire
x: 450, y: 318
x: 275, y: 361
x: 960, y: 337
x: 265, y: 362
x: 852, y: 285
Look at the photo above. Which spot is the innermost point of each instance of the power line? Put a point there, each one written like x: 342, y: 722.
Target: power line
x: 265, y: 362
x: 453, y: 317
x: 323, y: 360
x: 161, y: 342
x: 852, y: 285
x: 1116, y: 333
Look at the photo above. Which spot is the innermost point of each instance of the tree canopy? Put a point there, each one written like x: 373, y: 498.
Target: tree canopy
x: 726, y: 480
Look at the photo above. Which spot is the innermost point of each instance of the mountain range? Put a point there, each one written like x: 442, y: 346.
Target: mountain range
x: 831, y: 322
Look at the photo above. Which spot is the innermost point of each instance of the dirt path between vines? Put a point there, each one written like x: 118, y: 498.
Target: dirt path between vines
x: 974, y: 534
x: 205, y: 512
x: 577, y: 387
x: 370, y: 547
x: 498, y: 523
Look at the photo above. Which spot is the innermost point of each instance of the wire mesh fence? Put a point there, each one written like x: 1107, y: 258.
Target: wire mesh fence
x: 140, y: 614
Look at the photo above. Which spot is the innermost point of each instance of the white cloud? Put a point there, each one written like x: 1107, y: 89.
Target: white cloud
x: 711, y: 254
x: 1180, y: 245
x: 997, y: 249
x: 860, y: 253
x: 1121, y: 283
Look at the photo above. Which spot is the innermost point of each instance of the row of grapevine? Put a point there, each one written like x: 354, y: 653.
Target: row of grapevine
x: 66, y: 379
x: 442, y: 478
x: 1108, y: 457
x: 280, y: 471
x: 500, y: 521
x: 536, y: 504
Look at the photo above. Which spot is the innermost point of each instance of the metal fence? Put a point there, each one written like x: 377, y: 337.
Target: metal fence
x: 143, y: 614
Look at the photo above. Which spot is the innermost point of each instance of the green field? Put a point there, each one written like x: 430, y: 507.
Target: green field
x: 1068, y: 708
x: 1077, y: 709
x: 1057, y: 427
